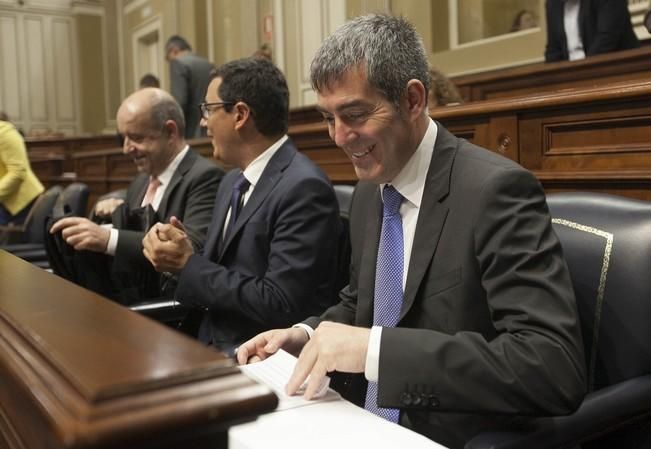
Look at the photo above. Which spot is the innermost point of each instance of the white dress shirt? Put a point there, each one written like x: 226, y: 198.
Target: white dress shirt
x: 575, y: 48
x: 253, y: 172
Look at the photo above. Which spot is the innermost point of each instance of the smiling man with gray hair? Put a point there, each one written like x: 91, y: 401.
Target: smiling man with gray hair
x: 459, y: 316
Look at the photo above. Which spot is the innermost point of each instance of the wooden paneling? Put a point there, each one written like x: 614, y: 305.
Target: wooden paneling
x: 38, y: 67
x: 79, y: 371
x: 589, y: 139
x: 595, y: 138
x: 534, y: 79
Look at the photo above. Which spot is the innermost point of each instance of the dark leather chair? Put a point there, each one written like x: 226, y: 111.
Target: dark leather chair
x: 31, y: 231
x: 72, y: 200
x: 607, y: 243
x: 344, y: 195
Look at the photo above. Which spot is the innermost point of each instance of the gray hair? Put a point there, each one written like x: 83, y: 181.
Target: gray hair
x: 163, y: 108
x: 388, y: 48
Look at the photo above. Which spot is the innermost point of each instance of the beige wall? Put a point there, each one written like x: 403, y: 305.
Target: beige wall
x: 492, y: 53
x: 107, y: 34
x: 91, y: 88
x: 113, y: 67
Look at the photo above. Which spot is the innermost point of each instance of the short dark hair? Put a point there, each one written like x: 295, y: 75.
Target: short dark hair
x: 149, y: 80
x: 388, y: 48
x: 262, y: 86
x: 177, y: 41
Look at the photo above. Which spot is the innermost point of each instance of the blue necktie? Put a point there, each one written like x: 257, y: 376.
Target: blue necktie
x: 388, y: 284
x: 239, y: 188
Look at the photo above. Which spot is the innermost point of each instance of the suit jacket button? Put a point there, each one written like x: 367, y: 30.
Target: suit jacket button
x: 405, y: 398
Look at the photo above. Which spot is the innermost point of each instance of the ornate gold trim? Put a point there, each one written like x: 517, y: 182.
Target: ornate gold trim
x: 605, y: 263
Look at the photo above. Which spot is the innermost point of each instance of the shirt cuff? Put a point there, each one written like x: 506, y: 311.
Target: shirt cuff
x: 306, y: 328
x: 372, y: 367
x: 113, y: 240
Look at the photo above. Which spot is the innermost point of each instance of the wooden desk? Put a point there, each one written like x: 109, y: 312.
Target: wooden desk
x: 78, y: 371
x: 326, y: 425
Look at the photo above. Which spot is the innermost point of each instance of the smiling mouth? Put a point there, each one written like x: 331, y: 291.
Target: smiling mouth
x: 359, y: 154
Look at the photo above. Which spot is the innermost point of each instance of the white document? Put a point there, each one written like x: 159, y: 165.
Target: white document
x: 275, y: 372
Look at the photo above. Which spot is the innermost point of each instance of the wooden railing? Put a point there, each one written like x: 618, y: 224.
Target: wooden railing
x: 534, y: 79
x: 596, y: 138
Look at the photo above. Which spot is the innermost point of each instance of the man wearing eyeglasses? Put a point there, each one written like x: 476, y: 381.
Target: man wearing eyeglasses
x: 271, y: 254
x: 172, y: 181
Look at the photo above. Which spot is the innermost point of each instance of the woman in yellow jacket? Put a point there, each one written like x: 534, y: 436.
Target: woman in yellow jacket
x: 19, y: 187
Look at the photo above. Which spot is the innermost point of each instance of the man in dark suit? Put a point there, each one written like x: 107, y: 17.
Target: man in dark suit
x: 189, y: 78
x: 270, y: 257
x: 459, y: 312
x: 580, y: 28
x: 173, y: 180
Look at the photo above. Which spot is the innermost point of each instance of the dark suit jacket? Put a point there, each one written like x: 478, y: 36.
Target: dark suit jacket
x: 604, y: 25
x: 278, y: 265
x: 189, y: 79
x: 489, y: 324
x: 190, y: 197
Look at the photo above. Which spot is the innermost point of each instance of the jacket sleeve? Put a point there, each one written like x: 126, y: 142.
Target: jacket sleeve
x: 611, y: 21
x: 555, y: 49
x: 13, y: 156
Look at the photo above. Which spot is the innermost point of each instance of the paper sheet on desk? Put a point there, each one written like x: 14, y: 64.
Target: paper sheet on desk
x: 274, y: 372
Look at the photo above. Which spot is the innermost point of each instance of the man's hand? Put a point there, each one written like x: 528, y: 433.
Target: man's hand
x: 105, y: 208
x: 267, y: 343
x: 82, y: 234
x: 167, y: 247
x: 333, y: 347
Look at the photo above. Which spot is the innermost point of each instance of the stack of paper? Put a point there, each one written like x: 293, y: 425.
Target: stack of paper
x: 275, y: 371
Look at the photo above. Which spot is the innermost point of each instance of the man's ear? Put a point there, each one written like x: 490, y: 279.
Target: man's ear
x: 242, y: 114
x: 170, y: 129
x: 415, y: 98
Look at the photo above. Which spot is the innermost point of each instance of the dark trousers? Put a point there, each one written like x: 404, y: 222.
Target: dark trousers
x: 18, y: 219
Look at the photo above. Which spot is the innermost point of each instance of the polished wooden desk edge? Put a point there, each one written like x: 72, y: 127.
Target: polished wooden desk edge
x: 37, y: 385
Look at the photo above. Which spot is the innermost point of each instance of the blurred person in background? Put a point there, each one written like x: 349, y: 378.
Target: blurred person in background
x: 189, y: 79
x: 580, y: 28
x: 19, y: 186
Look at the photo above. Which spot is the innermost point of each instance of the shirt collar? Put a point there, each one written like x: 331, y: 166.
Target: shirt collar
x: 410, y: 181
x: 254, y: 170
x: 167, y: 174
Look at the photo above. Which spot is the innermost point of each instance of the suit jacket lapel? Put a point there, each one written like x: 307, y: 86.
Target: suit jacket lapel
x: 222, y: 201
x: 366, y: 277
x: 270, y: 176
x: 431, y: 216
x: 136, y: 191
x: 180, y: 171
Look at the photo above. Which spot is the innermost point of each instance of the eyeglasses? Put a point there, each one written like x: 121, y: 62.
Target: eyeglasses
x: 208, y: 108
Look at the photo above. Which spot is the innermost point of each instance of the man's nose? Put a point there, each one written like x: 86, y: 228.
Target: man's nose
x: 341, y: 133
